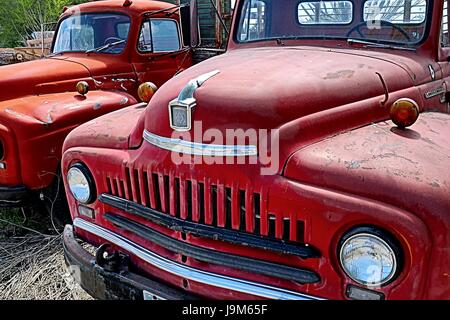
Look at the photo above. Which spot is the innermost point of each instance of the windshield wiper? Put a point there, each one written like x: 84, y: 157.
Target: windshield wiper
x: 54, y: 54
x: 106, y: 46
x: 370, y: 44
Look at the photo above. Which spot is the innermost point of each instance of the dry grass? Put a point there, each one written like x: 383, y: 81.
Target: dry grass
x: 32, y: 262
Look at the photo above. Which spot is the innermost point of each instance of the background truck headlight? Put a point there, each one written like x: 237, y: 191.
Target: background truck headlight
x: 81, y: 183
x: 369, y: 257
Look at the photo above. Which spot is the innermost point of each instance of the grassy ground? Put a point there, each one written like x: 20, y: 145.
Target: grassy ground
x: 31, y: 259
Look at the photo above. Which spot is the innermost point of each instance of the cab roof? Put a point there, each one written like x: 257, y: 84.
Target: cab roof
x: 137, y: 7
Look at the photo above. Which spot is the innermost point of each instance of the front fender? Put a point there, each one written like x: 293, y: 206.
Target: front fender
x: 121, y: 129
x: 407, y: 169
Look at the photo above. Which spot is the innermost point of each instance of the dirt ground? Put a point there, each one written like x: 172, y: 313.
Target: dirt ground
x: 31, y: 259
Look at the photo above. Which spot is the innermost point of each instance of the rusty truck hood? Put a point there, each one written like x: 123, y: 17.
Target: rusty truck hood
x: 269, y: 87
x: 51, y: 75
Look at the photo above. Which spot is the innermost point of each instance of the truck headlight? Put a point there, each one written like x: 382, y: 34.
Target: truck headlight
x: 81, y: 183
x: 369, y: 256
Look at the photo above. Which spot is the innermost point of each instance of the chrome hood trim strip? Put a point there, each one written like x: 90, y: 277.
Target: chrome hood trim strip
x: 199, y: 149
x: 216, y: 280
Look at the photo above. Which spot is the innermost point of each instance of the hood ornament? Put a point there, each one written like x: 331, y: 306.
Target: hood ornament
x: 180, y: 109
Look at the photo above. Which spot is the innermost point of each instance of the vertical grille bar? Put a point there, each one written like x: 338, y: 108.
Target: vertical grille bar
x: 279, y: 226
x: 257, y: 212
x: 172, y: 195
x: 300, y: 231
x: 162, y: 193
x: 113, y: 187
x: 134, y: 185
x: 221, y: 205
x: 151, y: 189
x: 235, y: 208
x: 183, y: 198
x: 242, y: 211
x: 264, y: 217
x: 208, y: 203
x: 119, y: 187
x: 195, y: 201
x: 201, y: 202
x: 108, y: 184
x: 127, y: 184
x: 249, y: 212
x: 144, y: 187
x: 228, y: 208
x: 293, y: 227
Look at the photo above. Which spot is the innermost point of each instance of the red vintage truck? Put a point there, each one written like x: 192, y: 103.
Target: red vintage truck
x: 310, y: 161
x: 104, y: 54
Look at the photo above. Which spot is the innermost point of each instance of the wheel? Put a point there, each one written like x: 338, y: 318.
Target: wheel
x: 54, y: 203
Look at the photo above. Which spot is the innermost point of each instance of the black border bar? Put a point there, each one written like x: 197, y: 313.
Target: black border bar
x: 301, y: 276
x: 204, y: 231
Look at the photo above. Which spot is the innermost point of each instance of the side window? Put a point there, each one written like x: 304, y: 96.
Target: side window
x: 445, y: 43
x: 253, y: 22
x: 159, y: 35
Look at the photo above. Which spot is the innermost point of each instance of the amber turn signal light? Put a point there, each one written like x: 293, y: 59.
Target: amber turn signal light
x: 404, y: 112
x: 82, y: 87
x: 146, y: 91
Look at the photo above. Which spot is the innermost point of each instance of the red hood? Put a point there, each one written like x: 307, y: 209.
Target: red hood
x: 58, y: 74
x: 269, y: 87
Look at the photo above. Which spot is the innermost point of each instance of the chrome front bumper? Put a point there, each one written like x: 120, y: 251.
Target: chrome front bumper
x: 189, y: 273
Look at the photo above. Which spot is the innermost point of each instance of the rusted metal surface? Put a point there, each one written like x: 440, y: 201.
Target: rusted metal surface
x: 342, y: 163
x: 39, y: 104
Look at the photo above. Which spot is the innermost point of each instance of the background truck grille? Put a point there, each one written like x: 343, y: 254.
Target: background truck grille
x: 204, y: 201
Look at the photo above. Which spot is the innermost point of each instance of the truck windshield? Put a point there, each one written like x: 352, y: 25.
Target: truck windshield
x: 86, y: 32
x: 399, y: 22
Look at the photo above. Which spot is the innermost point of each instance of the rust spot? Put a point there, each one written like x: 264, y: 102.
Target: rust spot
x: 434, y: 184
x: 353, y: 164
x: 124, y: 101
x: 340, y: 74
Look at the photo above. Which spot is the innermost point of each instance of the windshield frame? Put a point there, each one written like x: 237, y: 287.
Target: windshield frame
x: 240, y: 12
x: 127, y: 44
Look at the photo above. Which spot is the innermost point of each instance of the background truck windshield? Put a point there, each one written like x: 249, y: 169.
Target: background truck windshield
x: 88, y: 31
x: 392, y: 21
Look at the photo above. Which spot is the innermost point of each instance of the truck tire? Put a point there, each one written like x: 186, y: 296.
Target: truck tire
x: 54, y: 202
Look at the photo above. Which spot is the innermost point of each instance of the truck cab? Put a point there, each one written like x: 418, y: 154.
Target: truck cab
x: 310, y: 161
x: 106, y: 55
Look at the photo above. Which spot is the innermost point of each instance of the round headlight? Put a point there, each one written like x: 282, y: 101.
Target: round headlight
x: 369, y: 258
x: 81, y: 184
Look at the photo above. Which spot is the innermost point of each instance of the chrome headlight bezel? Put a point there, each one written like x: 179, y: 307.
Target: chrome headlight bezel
x: 86, y: 175
x: 380, y: 239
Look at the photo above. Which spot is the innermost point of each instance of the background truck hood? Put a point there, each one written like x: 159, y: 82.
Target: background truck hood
x: 50, y: 75
x: 268, y: 87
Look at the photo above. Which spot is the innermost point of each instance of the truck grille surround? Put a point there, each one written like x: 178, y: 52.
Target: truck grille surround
x: 212, y: 210
x: 203, y: 202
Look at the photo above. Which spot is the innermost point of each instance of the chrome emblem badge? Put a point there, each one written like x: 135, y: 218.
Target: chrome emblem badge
x: 180, y: 109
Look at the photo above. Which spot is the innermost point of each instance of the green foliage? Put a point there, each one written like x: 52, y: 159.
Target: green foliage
x: 19, y: 18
